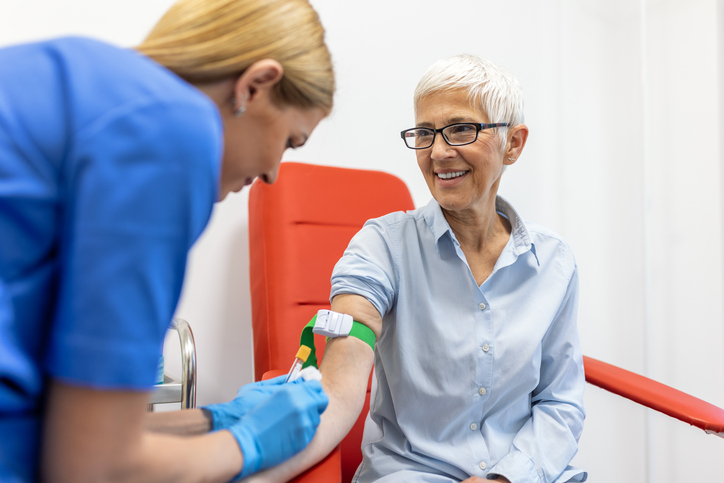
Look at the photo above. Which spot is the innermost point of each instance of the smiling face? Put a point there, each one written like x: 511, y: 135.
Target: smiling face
x: 462, y: 179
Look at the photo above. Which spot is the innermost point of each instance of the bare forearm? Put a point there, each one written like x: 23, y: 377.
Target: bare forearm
x: 214, y: 457
x: 157, y: 458
x: 345, y: 369
x: 183, y: 423
x: 98, y: 436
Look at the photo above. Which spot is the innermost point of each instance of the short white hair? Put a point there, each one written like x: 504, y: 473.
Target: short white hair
x: 490, y: 88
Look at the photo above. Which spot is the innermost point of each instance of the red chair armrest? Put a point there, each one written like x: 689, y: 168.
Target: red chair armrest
x: 272, y: 374
x: 655, y: 395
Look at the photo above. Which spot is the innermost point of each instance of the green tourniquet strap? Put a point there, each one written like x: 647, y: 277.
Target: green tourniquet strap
x: 359, y: 330
x: 307, y: 339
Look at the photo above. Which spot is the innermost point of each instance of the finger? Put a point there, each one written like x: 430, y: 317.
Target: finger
x: 275, y: 381
x: 311, y: 393
x: 323, y: 403
x: 315, y: 389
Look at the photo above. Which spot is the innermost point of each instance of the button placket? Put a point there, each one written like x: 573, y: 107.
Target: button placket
x: 484, y: 341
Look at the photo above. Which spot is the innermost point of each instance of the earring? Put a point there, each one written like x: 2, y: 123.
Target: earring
x: 511, y: 159
x: 242, y: 107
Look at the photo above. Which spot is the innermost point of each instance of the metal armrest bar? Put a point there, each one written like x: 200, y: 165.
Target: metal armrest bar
x: 188, y: 363
x: 184, y: 391
x: 655, y: 395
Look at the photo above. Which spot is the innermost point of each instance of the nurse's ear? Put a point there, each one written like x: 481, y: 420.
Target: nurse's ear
x: 255, y: 83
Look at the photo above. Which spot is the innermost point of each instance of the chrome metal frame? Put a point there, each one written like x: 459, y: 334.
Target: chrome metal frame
x: 172, y: 391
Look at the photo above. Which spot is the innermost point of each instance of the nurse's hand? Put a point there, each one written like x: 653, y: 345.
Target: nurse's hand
x: 247, y: 398
x: 280, y: 426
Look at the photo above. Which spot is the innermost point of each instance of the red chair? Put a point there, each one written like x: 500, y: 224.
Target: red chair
x: 655, y: 395
x: 299, y: 228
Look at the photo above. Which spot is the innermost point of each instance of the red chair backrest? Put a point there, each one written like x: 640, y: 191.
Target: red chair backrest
x: 298, y: 228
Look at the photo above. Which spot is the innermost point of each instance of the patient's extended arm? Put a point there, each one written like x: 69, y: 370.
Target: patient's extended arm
x: 345, y: 371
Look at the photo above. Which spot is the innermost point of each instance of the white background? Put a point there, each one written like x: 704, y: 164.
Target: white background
x: 625, y: 109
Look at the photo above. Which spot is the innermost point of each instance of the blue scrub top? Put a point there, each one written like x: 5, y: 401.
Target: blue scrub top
x: 109, y: 168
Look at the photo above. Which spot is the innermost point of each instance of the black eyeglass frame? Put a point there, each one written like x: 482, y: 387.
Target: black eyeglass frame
x: 478, y: 127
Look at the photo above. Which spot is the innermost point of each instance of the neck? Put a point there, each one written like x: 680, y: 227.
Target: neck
x: 478, y: 228
x: 220, y: 92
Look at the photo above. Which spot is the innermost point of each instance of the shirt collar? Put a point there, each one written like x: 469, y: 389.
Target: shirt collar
x: 520, y: 236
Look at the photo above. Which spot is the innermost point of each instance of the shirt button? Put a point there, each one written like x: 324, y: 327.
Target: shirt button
x: 482, y: 391
x: 481, y: 306
x: 486, y: 347
x: 473, y: 426
x: 482, y: 465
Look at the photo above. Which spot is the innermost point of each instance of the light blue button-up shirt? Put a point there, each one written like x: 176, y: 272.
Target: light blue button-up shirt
x: 470, y: 380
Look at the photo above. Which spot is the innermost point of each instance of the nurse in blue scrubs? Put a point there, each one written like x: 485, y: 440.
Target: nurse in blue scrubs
x: 110, y: 162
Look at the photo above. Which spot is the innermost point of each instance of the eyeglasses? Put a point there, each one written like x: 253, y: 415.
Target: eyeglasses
x: 458, y: 134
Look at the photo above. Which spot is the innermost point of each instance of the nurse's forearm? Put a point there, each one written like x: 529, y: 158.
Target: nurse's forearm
x: 345, y: 371
x: 95, y: 436
x: 186, y: 423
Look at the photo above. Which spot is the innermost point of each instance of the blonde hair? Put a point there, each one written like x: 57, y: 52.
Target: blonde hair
x: 211, y: 40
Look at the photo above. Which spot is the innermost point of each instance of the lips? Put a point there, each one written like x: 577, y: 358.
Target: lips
x: 238, y: 187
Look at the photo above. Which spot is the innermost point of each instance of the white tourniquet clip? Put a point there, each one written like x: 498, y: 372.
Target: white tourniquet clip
x: 332, y: 324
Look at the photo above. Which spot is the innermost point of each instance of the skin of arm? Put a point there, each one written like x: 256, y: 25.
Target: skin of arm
x: 345, y: 371
x: 188, y: 422
x: 101, y: 436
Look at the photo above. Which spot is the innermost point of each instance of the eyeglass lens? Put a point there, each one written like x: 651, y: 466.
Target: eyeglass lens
x: 460, y: 133
x: 456, y: 134
x: 419, y: 138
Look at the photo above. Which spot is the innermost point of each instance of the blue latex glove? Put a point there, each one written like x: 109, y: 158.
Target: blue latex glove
x: 280, y: 426
x: 249, y: 396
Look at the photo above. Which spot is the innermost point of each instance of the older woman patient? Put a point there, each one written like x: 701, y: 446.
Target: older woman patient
x: 478, y: 366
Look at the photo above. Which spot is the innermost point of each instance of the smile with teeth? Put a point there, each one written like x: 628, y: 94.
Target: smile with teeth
x: 450, y: 175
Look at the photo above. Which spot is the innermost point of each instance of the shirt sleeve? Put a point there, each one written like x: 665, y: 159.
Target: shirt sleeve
x: 139, y: 187
x: 548, y: 441
x: 367, y: 267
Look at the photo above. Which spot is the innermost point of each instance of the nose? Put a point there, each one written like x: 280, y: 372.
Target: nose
x: 270, y: 176
x: 440, y: 148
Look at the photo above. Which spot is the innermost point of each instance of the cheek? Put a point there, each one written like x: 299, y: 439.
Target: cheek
x: 492, y: 151
x: 233, y: 153
x: 273, y: 152
x: 238, y: 144
x: 275, y: 142
x: 423, y: 161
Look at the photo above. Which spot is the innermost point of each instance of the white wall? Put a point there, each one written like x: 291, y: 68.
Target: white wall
x: 625, y: 107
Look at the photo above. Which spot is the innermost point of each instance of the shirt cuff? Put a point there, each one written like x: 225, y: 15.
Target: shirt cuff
x: 517, y: 467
